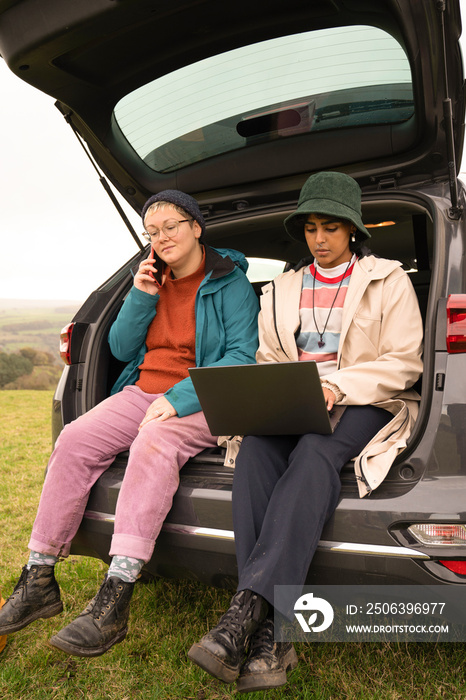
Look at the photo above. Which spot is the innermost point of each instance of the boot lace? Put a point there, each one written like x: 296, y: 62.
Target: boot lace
x: 248, y: 604
x: 263, y: 639
x: 105, y: 598
x: 21, y: 585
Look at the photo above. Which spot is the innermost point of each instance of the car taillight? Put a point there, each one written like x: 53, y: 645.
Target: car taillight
x: 458, y: 566
x: 65, y: 343
x: 456, y: 323
x: 439, y: 533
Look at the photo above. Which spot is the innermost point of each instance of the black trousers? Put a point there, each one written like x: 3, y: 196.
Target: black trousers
x: 284, y: 490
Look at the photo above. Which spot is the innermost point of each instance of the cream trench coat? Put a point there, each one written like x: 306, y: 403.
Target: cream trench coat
x: 379, y: 355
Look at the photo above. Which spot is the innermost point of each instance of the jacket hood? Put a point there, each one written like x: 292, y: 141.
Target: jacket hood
x: 239, y: 259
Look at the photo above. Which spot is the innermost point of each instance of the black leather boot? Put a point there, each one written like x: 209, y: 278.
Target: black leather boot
x: 103, y: 623
x: 35, y: 595
x: 221, y: 651
x: 267, y: 661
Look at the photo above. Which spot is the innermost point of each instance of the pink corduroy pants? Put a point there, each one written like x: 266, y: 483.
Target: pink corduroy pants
x: 87, y: 447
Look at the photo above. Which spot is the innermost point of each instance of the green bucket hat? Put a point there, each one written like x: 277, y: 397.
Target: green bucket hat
x: 335, y: 194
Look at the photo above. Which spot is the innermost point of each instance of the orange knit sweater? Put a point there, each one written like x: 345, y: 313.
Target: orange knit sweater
x: 171, y: 335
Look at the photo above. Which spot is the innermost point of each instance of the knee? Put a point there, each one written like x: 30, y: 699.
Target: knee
x: 315, y: 463
x: 79, y: 439
x: 72, y: 433
x: 247, y: 454
x: 259, y: 466
x: 254, y: 458
x: 150, y: 440
x: 152, y: 450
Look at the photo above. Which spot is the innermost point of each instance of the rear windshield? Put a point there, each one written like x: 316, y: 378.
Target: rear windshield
x: 276, y: 89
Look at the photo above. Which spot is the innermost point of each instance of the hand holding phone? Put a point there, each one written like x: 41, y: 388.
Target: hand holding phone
x: 157, y: 268
x: 149, y: 275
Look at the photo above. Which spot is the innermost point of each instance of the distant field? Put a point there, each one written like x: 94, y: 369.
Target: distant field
x: 35, y: 326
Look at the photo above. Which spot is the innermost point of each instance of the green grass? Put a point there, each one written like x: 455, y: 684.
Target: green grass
x: 167, y: 617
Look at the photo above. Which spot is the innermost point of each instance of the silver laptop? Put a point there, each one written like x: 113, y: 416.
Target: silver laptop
x: 276, y: 398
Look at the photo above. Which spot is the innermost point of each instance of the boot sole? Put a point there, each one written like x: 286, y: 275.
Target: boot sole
x: 75, y: 650
x: 211, y: 664
x: 44, y: 613
x: 272, y: 679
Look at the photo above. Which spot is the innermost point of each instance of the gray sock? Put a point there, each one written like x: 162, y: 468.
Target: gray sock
x: 38, y: 559
x: 125, y: 568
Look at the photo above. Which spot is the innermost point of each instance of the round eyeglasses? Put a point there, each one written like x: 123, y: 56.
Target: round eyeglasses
x: 169, y: 229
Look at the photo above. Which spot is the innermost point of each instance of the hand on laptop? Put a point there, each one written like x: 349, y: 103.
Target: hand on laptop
x: 330, y: 398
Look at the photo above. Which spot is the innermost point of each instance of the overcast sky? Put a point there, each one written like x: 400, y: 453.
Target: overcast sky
x: 60, y: 236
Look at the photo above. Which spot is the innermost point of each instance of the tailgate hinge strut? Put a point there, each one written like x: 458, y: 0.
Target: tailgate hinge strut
x: 456, y: 209
x: 104, y: 182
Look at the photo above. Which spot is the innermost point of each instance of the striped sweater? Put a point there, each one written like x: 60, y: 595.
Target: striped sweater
x: 322, y: 288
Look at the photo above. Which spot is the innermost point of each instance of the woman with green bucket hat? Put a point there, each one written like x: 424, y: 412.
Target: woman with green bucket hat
x: 357, y: 317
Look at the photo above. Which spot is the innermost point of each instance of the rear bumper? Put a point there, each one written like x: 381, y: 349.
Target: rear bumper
x: 208, y: 555
x: 197, y: 539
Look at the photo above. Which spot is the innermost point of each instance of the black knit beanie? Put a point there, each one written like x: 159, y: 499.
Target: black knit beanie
x: 185, y: 201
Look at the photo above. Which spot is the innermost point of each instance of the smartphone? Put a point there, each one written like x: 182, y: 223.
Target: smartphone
x: 159, y: 264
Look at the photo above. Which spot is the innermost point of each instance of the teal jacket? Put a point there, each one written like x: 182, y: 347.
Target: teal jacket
x: 226, y: 309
